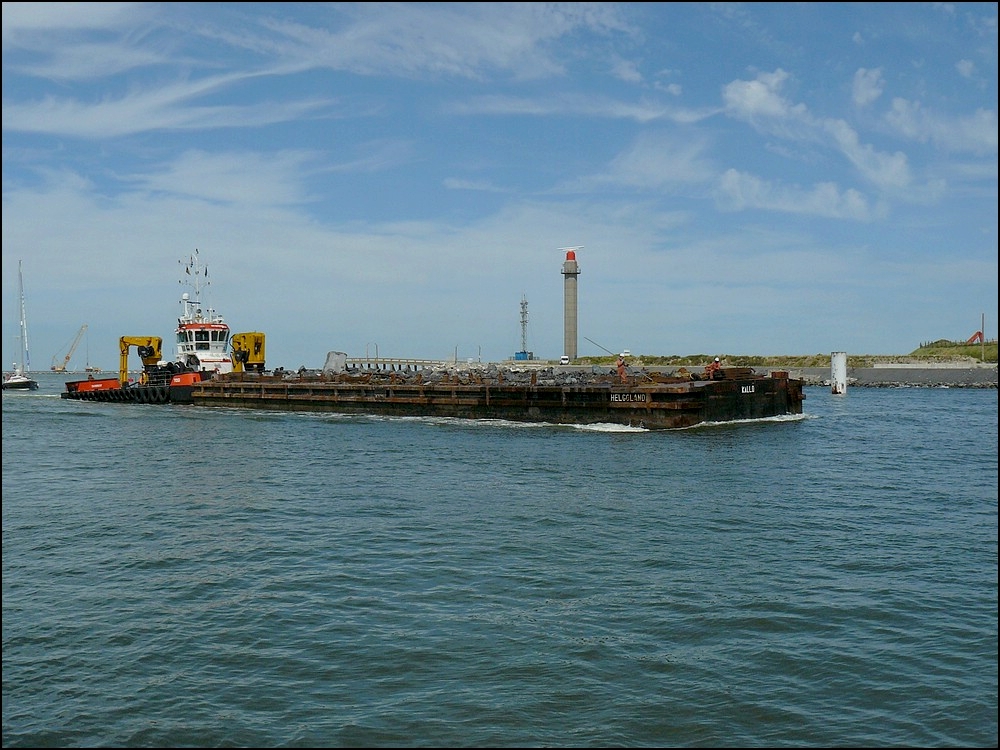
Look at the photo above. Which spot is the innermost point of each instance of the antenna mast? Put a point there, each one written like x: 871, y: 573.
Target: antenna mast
x: 524, y: 323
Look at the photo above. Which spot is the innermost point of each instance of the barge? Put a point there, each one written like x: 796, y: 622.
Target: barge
x: 213, y: 367
x: 641, y: 400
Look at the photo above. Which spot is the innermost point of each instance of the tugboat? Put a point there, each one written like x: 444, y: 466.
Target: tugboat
x: 202, y: 339
x: 202, y: 334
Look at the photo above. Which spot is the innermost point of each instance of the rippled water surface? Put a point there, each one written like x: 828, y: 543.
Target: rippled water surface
x: 183, y: 576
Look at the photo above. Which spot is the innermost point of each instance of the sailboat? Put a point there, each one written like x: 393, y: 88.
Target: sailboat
x: 19, y: 379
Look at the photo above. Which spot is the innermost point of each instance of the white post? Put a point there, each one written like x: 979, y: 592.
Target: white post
x: 838, y: 372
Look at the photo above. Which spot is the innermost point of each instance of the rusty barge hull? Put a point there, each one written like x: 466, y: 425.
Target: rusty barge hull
x: 660, y: 405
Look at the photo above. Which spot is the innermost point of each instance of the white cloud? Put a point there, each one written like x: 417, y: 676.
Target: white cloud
x: 577, y: 104
x: 868, y: 86
x: 454, y: 183
x: 172, y: 107
x: 888, y: 171
x: 739, y: 191
x: 976, y: 133
x: 82, y: 62
x: 760, y: 103
x: 460, y: 40
x: 23, y: 21
x: 655, y: 161
x: 241, y: 178
x: 625, y: 70
x: 965, y: 68
x: 760, y: 98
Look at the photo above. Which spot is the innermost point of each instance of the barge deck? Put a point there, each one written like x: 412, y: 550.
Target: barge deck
x: 666, y: 403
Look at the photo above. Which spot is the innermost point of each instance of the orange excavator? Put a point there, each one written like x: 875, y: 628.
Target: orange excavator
x: 976, y: 338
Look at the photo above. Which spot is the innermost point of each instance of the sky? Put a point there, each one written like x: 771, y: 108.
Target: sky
x: 396, y: 179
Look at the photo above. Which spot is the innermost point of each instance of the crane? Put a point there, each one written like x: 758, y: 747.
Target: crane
x: 72, y: 348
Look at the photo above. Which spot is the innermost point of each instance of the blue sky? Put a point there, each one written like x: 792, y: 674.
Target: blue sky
x: 741, y: 178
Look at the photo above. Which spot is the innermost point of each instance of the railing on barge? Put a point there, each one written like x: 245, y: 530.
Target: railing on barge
x: 394, y: 364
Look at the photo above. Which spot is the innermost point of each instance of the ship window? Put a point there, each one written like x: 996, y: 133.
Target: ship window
x: 201, y: 335
x: 202, y: 346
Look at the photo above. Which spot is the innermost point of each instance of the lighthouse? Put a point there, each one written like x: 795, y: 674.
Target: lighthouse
x: 570, y: 271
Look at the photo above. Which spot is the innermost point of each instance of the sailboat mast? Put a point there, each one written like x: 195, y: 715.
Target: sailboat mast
x: 25, y: 361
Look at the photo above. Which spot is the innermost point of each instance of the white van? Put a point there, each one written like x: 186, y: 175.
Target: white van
x: 564, y: 360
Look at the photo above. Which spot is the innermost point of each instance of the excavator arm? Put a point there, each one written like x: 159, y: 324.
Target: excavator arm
x: 976, y: 338
x: 248, y: 351
x: 148, y: 349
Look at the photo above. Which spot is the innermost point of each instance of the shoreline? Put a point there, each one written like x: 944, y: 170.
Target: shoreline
x: 905, y: 376
x: 879, y: 375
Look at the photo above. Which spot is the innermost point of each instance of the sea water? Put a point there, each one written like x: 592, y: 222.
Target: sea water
x: 186, y: 576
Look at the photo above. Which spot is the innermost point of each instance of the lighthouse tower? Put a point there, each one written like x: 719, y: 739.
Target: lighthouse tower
x: 570, y: 271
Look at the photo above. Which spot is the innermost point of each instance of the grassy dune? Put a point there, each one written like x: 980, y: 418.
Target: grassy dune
x: 937, y: 351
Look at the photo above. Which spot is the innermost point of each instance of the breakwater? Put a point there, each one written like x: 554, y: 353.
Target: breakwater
x: 879, y: 375
x: 931, y: 375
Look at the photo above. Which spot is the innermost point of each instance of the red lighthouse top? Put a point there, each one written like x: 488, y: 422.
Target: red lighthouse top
x: 571, y: 255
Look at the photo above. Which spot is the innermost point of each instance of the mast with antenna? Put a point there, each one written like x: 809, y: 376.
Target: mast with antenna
x: 524, y: 353
x: 524, y: 323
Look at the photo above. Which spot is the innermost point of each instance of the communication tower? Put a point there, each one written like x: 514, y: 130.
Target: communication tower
x: 524, y: 353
